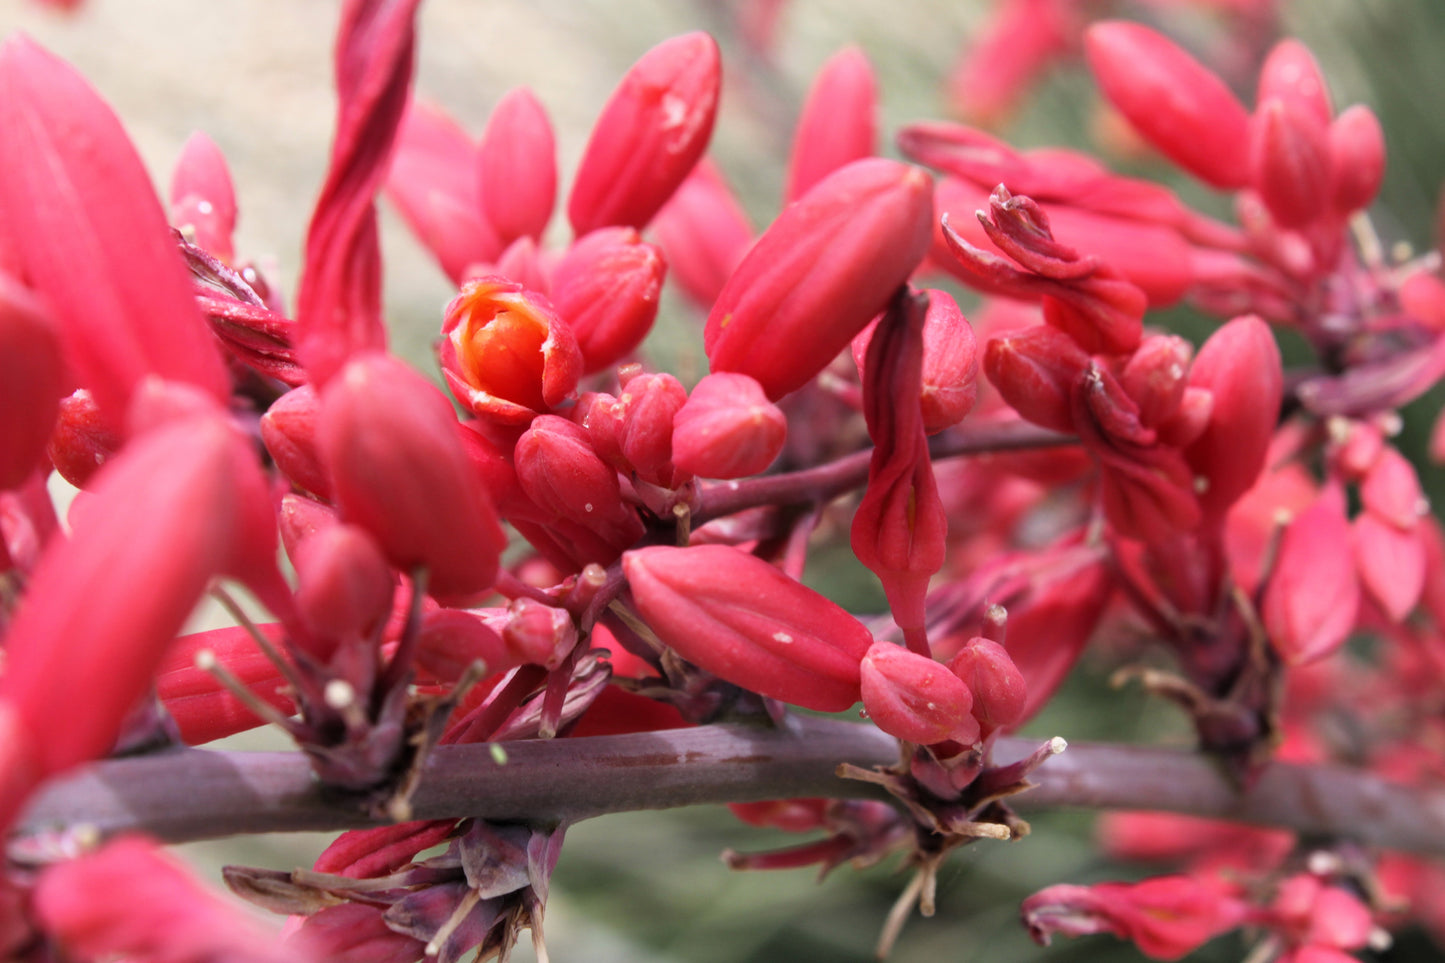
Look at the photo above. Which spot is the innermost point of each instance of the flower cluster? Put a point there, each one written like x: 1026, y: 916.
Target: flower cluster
x: 572, y: 545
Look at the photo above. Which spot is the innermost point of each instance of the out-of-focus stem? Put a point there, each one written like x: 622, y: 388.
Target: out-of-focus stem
x: 194, y: 794
x: 826, y: 482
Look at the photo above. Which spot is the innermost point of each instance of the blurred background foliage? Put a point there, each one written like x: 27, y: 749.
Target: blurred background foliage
x: 255, y: 75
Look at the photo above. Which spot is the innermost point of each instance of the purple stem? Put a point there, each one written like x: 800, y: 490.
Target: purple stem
x: 195, y: 794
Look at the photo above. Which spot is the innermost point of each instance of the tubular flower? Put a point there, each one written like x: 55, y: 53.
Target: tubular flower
x: 505, y: 353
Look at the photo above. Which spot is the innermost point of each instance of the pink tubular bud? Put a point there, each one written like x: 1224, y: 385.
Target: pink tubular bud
x: 517, y: 161
x: 1291, y: 75
x: 743, y: 620
x: 1313, y: 594
x: 1156, y: 377
x: 82, y: 440
x: 1240, y: 365
x: 432, y: 183
x: 826, y: 266
x: 1290, y: 162
x: 607, y: 287
x: 203, y: 708
x: 32, y: 372
x: 651, y: 403
x: 652, y: 131
x: 343, y: 585
x: 78, y: 201
x: 838, y: 122
x: 561, y: 472
x: 1357, y: 159
x: 505, y: 353
x: 1391, y: 563
x: 1000, y: 693
x: 202, y: 200
x: 1035, y: 370
x: 288, y: 429
x: 913, y: 698
x: 1176, y: 103
x: 727, y: 429
x: 1013, y: 48
x: 705, y: 233
x: 398, y: 471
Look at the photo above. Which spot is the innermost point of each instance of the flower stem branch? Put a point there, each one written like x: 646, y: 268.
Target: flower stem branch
x: 195, y: 794
x: 826, y: 482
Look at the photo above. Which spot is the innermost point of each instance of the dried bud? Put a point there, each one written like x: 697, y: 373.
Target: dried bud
x: 607, y: 288
x: 1035, y: 370
x: 652, y: 131
x: 727, y: 429
x: 1313, y: 594
x: 31, y: 376
x: 505, y: 353
x: 826, y: 266
x: 913, y: 698
x: 202, y: 200
x: 743, y: 620
x: 288, y: 430
x: 999, y: 690
x: 398, y: 471
x: 1181, y: 107
x: 837, y: 125
x: 517, y: 161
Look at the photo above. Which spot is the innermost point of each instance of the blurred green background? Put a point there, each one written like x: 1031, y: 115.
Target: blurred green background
x: 255, y: 75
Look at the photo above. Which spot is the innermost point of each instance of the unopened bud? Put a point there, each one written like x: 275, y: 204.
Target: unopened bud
x: 727, y: 429
x: 914, y: 698
x: 607, y: 287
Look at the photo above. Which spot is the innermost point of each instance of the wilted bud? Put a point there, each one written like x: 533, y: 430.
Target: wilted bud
x: 1000, y: 693
x: 652, y: 131
x: 343, y: 585
x: 913, y: 698
x: 727, y: 429
x: 1240, y: 366
x: 1035, y: 371
x: 837, y: 125
x: 505, y: 353
x: 31, y: 374
x: 202, y: 200
x: 398, y: 471
x: 950, y: 362
x: 705, y: 233
x: 1313, y: 593
x: 1357, y: 159
x: 432, y: 181
x: 517, y: 161
x: 607, y: 288
x: 1291, y: 163
x: 650, y: 404
x: 826, y: 266
x: 746, y: 622
x: 288, y: 429
x: 1180, y: 106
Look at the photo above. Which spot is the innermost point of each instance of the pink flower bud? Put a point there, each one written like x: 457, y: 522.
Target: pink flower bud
x: 1357, y: 159
x: 704, y: 232
x: 1011, y: 49
x: 743, y: 620
x: 1181, y: 107
x: 520, y: 262
x: 561, y: 473
x: 202, y: 200
x: 538, y: 634
x: 343, y: 585
x: 1313, y: 594
x: 825, y: 267
x: 651, y: 403
x: 450, y: 640
x: 913, y: 698
x: 1290, y: 162
x: 32, y: 373
x: 299, y: 518
x: 1391, y: 490
x: 398, y: 471
x: 1291, y: 75
x: 1165, y: 916
x: 1000, y: 693
x: 607, y: 287
x: 76, y: 195
x: 288, y: 429
x: 837, y: 125
x: 433, y: 183
x: 517, y: 161
x: 505, y: 353
x: 1391, y: 563
x: 1156, y: 377
x: 1240, y: 365
x: 652, y: 131
x: 1035, y: 370
x: 727, y: 429
x: 82, y: 441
